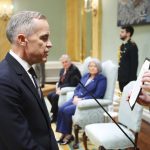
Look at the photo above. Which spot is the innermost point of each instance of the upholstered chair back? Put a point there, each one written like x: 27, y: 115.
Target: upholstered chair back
x: 130, y: 118
x: 109, y: 69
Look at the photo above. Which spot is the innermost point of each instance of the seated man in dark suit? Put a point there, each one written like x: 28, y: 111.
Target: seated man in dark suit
x: 68, y: 78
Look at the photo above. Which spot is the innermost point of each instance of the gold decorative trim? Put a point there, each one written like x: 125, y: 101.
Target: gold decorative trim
x: 73, y: 29
x: 76, y: 30
x: 97, y: 30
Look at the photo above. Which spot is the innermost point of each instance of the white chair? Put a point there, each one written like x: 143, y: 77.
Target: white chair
x: 108, y: 135
x: 88, y: 111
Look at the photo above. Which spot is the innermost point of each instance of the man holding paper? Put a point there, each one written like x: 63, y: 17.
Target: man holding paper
x: 144, y: 97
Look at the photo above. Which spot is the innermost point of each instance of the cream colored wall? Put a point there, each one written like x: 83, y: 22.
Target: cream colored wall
x: 55, y: 11
x: 110, y: 34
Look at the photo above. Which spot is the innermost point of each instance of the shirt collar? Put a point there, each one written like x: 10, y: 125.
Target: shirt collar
x: 126, y: 41
x: 23, y: 63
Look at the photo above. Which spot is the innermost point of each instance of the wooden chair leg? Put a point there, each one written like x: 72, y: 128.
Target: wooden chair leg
x: 101, y: 148
x: 134, y: 148
x: 85, y: 141
x: 76, y: 132
x: 136, y: 138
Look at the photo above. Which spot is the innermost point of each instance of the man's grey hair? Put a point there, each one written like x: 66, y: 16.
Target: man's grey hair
x: 98, y: 64
x: 22, y: 22
x: 65, y: 57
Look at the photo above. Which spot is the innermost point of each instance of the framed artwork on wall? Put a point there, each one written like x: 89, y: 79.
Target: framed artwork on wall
x: 133, y: 12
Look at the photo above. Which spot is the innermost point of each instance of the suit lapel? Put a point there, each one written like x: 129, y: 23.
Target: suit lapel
x: 40, y: 100
x: 92, y: 84
x: 27, y: 82
x: 84, y: 80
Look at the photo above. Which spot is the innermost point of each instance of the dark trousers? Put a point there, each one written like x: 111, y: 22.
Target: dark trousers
x: 64, y: 119
x: 53, y: 98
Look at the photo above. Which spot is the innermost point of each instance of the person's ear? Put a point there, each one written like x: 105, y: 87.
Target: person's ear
x: 128, y: 34
x: 21, y: 40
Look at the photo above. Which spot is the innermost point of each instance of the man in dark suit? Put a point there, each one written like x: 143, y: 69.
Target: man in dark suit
x: 128, y: 57
x: 69, y: 77
x: 25, y: 123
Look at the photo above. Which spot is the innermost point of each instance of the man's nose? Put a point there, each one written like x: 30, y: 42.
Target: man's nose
x: 49, y: 44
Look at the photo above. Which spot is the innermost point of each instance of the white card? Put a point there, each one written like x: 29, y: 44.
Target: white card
x: 137, y: 86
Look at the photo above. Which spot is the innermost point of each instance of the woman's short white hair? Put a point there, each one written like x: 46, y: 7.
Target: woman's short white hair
x: 97, y: 63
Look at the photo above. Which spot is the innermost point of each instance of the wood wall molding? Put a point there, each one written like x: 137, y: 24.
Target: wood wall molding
x: 77, y: 33
x: 97, y: 30
x: 73, y: 29
x: 4, y: 44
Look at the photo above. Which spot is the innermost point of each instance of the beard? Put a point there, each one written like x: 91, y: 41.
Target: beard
x: 123, y: 38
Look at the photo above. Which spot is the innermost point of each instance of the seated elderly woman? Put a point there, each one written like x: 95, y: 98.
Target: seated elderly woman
x: 95, y: 83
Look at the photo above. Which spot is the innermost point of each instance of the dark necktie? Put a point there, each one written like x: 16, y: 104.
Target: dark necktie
x: 34, y: 77
x: 62, y: 78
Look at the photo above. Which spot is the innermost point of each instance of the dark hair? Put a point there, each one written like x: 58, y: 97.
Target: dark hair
x: 129, y: 29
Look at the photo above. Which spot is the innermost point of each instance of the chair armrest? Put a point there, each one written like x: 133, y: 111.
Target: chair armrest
x: 88, y: 111
x: 56, y: 85
x: 64, y: 90
x: 65, y: 94
x: 69, y: 95
x: 91, y: 103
